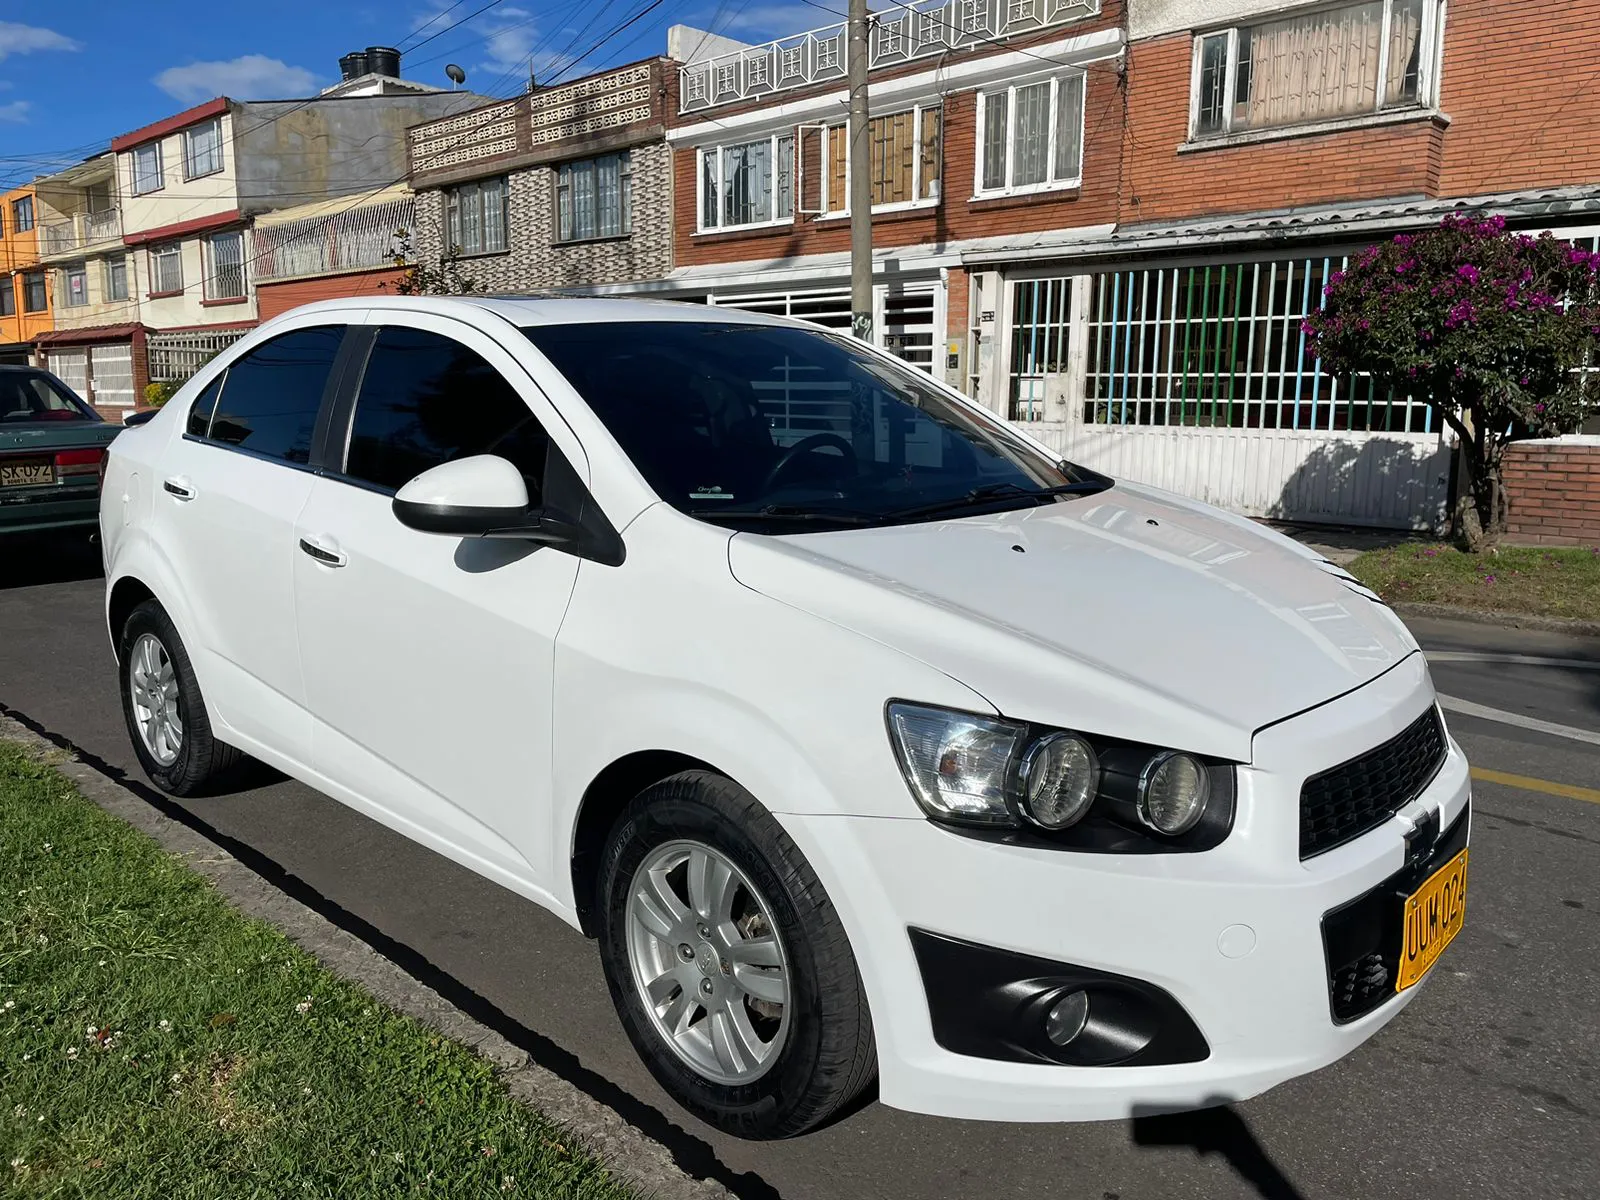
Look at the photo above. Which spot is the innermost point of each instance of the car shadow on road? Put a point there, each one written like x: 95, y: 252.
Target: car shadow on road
x: 693, y: 1155
x: 33, y: 560
x: 1221, y: 1131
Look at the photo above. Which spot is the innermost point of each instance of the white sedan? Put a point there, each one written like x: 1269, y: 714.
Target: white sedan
x: 865, y: 734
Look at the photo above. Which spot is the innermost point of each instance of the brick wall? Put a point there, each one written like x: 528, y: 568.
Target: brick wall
x: 1516, y: 87
x: 1554, y: 493
x: 956, y: 216
x: 535, y: 260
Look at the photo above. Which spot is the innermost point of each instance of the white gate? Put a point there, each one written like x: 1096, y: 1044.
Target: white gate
x: 113, y: 375
x: 71, y: 367
x: 1198, y: 379
x: 906, y: 317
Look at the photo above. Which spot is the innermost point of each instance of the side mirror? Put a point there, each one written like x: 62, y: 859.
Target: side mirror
x: 484, y: 497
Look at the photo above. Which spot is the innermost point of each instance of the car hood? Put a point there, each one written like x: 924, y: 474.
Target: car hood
x: 1132, y: 614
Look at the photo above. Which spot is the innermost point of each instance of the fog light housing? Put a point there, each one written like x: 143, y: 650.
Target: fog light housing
x: 1067, y: 1017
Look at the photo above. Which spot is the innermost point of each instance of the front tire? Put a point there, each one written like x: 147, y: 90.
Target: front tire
x: 727, y: 962
x: 162, y: 705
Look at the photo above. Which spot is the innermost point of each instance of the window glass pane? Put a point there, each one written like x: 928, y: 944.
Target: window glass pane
x: 932, y: 154
x: 1069, y: 128
x: 27, y: 397
x: 1403, y: 85
x: 426, y: 400
x: 77, y: 287
x: 147, y: 168
x: 471, y: 205
x: 1308, y: 68
x: 1030, y: 141
x: 564, y: 203
x: 227, y: 266
x: 994, y: 139
x: 204, y: 146
x: 494, y: 216
x: 22, y: 215
x: 892, y: 146
x: 34, y: 296
x: 626, y: 160
x: 1213, y: 78
x: 273, y: 393
x: 166, y: 268
x: 608, y: 197
x: 8, y: 296
x: 785, y: 194
x: 583, y: 200
x: 711, y: 204
x: 116, y: 278
x: 454, y: 204
x: 747, y: 183
x: 199, y: 423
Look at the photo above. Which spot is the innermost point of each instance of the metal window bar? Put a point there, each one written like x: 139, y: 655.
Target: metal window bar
x: 176, y: 356
x: 361, y: 238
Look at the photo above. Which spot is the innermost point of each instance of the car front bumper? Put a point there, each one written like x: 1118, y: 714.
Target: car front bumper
x: 1233, y: 935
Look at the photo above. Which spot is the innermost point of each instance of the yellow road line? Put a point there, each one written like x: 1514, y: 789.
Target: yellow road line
x: 1528, y: 784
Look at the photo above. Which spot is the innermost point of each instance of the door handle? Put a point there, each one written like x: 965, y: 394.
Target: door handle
x: 327, y: 555
x: 180, y: 487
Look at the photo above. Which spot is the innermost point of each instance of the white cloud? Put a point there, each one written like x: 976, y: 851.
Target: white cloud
x: 777, y: 20
x: 29, y: 39
x: 249, y: 77
x: 15, y: 112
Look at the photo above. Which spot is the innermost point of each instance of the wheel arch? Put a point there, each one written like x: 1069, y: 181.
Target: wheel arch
x: 603, y: 801
x: 126, y: 594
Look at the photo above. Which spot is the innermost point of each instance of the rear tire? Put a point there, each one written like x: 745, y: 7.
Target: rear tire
x: 812, y: 1052
x: 164, y: 710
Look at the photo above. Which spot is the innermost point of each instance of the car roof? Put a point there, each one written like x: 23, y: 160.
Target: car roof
x: 523, y: 310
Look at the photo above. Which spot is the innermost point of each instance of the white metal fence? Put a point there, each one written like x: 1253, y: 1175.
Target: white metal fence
x: 176, y: 356
x: 354, y: 240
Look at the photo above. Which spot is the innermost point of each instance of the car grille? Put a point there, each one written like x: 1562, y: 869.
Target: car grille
x: 1355, y: 797
x: 1362, y: 939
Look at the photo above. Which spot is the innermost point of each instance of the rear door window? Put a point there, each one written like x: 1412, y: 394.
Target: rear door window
x: 426, y: 399
x: 270, y: 398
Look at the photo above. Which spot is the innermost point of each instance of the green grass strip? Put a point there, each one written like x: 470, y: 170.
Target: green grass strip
x: 154, y: 1042
x: 1523, y: 580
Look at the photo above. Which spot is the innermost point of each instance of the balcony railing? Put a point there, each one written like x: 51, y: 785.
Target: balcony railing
x: 900, y: 33
x: 80, y: 232
x: 348, y: 241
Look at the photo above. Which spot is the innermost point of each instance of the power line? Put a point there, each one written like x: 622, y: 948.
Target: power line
x: 443, y: 12
x: 477, y: 12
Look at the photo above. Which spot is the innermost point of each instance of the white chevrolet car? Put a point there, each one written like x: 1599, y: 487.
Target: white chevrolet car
x: 865, y: 734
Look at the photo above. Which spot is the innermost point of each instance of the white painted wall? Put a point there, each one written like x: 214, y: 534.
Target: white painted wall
x: 1152, y: 18
x: 179, y: 199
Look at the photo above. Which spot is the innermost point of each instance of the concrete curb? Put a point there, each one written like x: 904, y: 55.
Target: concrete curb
x: 634, y: 1157
x: 1502, y: 620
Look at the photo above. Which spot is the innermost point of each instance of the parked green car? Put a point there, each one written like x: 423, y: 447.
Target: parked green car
x: 52, y: 446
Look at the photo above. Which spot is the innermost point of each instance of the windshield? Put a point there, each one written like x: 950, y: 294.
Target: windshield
x: 759, y: 426
x: 28, y: 396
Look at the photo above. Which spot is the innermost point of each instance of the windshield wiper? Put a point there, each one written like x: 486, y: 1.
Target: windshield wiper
x: 791, y: 513
x: 995, y: 491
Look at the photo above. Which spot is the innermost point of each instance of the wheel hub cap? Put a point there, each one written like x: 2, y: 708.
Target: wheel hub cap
x: 157, y: 708
x: 710, y: 970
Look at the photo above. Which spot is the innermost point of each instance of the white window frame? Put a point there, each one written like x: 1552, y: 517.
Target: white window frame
x: 133, y: 174
x: 67, y: 273
x: 188, y: 149
x: 156, y: 253
x: 1429, y: 67
x: 108, y: 292
x: 211, y: 272
x: 979, y: 192
x: 831, y: 131
x: 772, y: 197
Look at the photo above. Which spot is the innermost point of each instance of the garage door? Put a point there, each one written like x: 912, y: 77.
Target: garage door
x: 113, y: 374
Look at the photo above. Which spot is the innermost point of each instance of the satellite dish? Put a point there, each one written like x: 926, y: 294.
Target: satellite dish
x: 455, y: 74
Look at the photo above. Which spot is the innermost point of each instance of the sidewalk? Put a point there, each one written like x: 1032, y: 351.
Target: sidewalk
x: 1343, y: 544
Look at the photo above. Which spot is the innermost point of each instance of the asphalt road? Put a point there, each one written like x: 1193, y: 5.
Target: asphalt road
x: 1487, y: 1086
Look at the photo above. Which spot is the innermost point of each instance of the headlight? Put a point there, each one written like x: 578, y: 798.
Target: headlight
x: 1087, y: 791
x: 1059, y: 775
x: 1173, y: 790
x: 958, y: 764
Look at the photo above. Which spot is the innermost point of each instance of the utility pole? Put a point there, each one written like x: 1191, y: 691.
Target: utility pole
x: 860, y: 177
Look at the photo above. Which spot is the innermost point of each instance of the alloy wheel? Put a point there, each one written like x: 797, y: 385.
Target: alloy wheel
x: 157, y: 707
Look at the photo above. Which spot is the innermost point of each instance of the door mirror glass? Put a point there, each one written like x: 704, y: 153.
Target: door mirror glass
x: 481, y: 496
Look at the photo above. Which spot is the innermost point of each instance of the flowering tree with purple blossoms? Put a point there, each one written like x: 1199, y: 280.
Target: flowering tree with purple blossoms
x: 1486, y: 327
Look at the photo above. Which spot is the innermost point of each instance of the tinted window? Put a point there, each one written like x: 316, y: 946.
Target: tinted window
x: 426, y: 400
x: 28, y: 397
x: 776, y: 424
x: 270, y: 398
x: 200, y: 414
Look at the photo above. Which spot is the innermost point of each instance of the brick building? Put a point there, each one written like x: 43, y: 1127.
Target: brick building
x: 570, y: 185
x: 1107, y: 220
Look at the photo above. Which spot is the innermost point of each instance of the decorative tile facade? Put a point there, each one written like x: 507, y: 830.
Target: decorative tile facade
x: 535, y: 261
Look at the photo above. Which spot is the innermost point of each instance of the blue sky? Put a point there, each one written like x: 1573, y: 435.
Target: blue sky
x: 75, y: 75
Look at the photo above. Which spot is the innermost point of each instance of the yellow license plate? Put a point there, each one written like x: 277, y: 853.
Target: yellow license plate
x: 26, y: 474
x: 1435, y: 913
